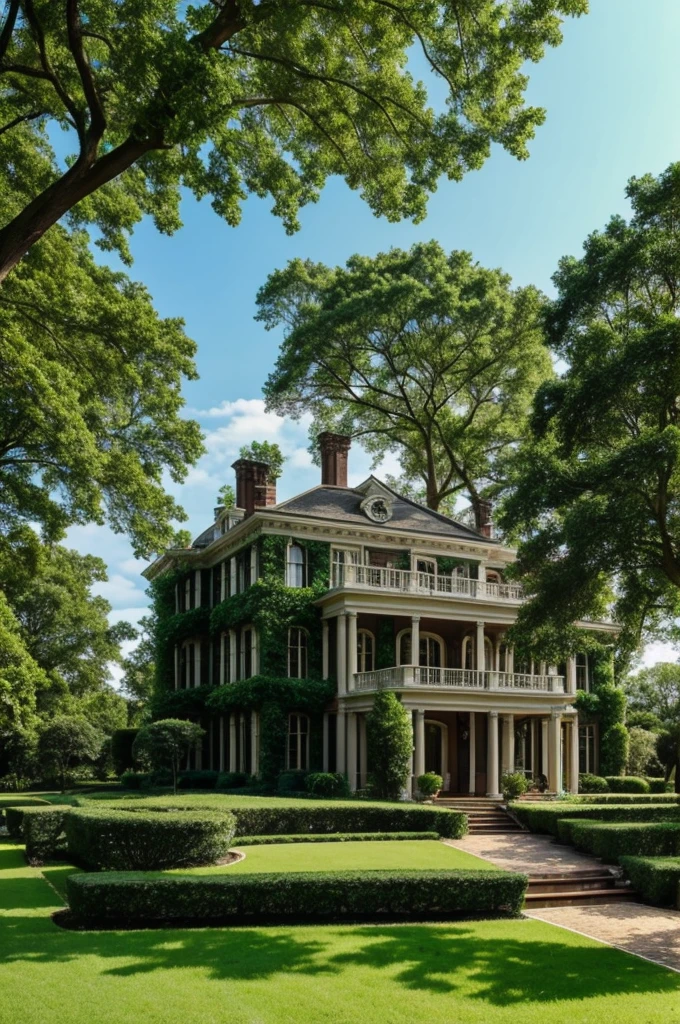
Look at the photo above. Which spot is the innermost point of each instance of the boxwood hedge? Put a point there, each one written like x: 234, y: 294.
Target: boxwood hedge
x: 544, y: 817
x: 611, y: 840
x: 273, y: 818
x: 41, y: 828
x: 114, y: 899
x: 109, y: 838
x: 626, y: 798
x: 334, y: 837
x: 14, y: 800
x: 655, y: 878
x: 627, y: 784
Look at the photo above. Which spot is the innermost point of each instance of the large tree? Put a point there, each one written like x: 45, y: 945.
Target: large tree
x: 229, y: 97
x: 595, y: 496
x: 422, y: 353
x: 90, y: 398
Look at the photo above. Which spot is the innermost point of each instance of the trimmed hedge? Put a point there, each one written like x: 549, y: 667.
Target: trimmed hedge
x: 43, y: 830
x: 282, y: 819
x: 588, y: 783
x: 110, y: 838
x: 311, y: 896
x: 14, y: 800
x: 611, y: 840
x: 627, y: 784
x: 197, y: 780
x: 626, y: 798
x: 659, y: 785
x: 655, y: 878
x: 545, y: 818
x: 334, y: 837
x: 327, y: 784
x: 232, y: 780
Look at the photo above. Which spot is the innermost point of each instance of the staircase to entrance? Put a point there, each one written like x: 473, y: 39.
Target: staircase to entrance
x: 485, y: 816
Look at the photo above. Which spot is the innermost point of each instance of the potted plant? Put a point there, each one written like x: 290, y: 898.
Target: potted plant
x: 513, y: 784
x: 429, y: 785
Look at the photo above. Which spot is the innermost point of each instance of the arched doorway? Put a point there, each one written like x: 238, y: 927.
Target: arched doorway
x: 436, y: 748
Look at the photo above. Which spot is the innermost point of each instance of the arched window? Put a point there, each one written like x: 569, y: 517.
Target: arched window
x: 488, y: 654
x: 493, y: 576
x: 469, y: 653
x: 297, y: 653
x: 582, y: 676
x: 502, y: 656
x: 365, y: 651
x: 431, y: 652
x: 296, y: 575
x: 298, y: 742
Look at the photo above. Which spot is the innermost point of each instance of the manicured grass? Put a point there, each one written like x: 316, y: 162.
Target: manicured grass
x: 226, y: 800
x: 489, y: 972
x: 410, y: 854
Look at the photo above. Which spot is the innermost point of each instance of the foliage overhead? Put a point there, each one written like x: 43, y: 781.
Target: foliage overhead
x: 90, y: 398
x: 595, y: 496
x: 656, y: 691
x: 67, y: 742
x: 420, y: 353
x: 232, y: 97
x: 265, y: 451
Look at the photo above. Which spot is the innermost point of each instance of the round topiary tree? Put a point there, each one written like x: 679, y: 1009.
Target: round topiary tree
x: 67, y: 742
x: 166, y: 744
x: 390, y: 743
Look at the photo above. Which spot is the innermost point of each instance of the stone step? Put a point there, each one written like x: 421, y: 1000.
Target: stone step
x: 568, y: 883
x: 577, y: 898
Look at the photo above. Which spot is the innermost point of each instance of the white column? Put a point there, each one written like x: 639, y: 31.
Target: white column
x: 415, y: 639
x: 232, y: 742
x: 492, y: 756
x: 511, y: 660
x: 508, y: 758
x: 351, y: 649
x: 253, y: 563
x: 544, y: 747
x: 480, y: 646
x: 412, y: 777
x: 223, y: 580
x: 554, y: 752
x: 221, y: 743
x: 325, y: 743
x: 363, y: 752
x: 232, y: 656
x: 473, y: 754
x: 571, y: 675
x: 232, y: 576
x: 419, y: 755
x: 352, y: 750
x: 340, y: 742
x: 254, y: 743
x: 573, y: 756
x: 324, y: 649
x: 341, y: 652
x: 534, y: 746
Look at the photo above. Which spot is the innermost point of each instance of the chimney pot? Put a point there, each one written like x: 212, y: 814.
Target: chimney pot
x: 334, y: 449
x: 254, y: 488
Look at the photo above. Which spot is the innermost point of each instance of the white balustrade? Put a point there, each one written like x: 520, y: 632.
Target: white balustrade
x: 403, y: 581
x: 404, y: 676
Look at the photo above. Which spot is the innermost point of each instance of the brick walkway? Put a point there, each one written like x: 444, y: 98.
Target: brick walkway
x: 649, y: 932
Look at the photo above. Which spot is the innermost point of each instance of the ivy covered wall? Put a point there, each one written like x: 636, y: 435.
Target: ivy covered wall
x: 606, y: 705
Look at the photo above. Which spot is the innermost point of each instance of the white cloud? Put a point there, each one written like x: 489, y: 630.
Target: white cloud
x: 120, y: 591
x: 657, y: 651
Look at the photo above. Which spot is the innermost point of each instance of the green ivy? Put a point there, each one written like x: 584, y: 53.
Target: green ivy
x: 446, y: 565
x: 606, y: 703
x: 384, y: 643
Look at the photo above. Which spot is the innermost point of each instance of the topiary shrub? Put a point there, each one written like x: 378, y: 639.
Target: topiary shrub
x: 656, y: 879
x: 197, y: 780
x: 513, y: 784
x: 389, y: 738
x: 318, y: 896
x: 116, y: 840
x: 588, y: 783
x: 627, y: 784
x: 232, y: 780
x: 429, y: 784
x: 327, y: 784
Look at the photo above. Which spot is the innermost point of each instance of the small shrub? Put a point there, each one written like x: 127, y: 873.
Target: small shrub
x: 611, y: 840
x: 115, y: 839
x: 327, y: 784
x: 292, y: 782
x: 316, y: 896
x: 135, y: 780
x: 655, y: 878
x: 429, y: 784
x: 513, y: 784
x: 659, y: 785
x: 197, y: 780
x: 232, y: 780
x: 588, y: 783
x: 627, y: 784
x: 336, y: 837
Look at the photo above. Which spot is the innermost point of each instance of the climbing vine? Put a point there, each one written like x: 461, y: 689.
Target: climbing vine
x: 606, y: 704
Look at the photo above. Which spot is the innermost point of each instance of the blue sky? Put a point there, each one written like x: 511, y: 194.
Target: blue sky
x: 611, y: 92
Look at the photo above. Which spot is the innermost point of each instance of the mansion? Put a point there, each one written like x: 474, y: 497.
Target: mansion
x: 361, y: 589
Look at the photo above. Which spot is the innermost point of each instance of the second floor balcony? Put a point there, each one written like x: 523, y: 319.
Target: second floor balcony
x: 407, y: 676
x: 405, y: 581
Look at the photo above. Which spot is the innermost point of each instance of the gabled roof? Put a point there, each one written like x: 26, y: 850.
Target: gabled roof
x: 343, y: 504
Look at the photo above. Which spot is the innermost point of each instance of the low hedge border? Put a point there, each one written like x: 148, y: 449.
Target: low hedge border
x: 42, y: 829
x: 272, y: 819
x: 655, y: 878
x: 14, y: 800
x: 103, y: 837
x: 611, y: 840
x: 624, y: 798
x: 545, y: 818
x: 333, y: 837
x: 134, y: 899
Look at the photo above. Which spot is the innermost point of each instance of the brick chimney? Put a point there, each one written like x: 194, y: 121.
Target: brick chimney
x: 334, y: 448
x: 254, y: 488
x: 485, y: 522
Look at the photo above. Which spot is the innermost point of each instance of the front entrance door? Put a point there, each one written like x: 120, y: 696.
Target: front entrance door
x: 433, y: 748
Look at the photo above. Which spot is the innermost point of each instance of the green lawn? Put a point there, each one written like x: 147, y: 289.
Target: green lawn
x: 489, y: 972
x: 406, y: 853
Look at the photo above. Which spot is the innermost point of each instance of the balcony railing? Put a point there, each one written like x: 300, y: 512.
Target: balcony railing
x: 405, y: 676
x: 403, y: 581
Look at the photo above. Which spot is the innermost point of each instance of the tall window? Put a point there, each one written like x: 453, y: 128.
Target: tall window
x: 297, y: 653
x: 247, y: 652
x: 298, y: 742
x: 430, y: 653
x: 587, y: 762
x: 582, y: 679
x: 296, y: 575
x: 365, y: 651
x: 343, y: 560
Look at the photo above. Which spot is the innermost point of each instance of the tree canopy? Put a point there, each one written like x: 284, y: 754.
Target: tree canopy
x: 231, y: 97
x: 595, y: 495
x: 655, y: 691
x: 264, y: 451
x: 90, y: 398
x: 422, y: 353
